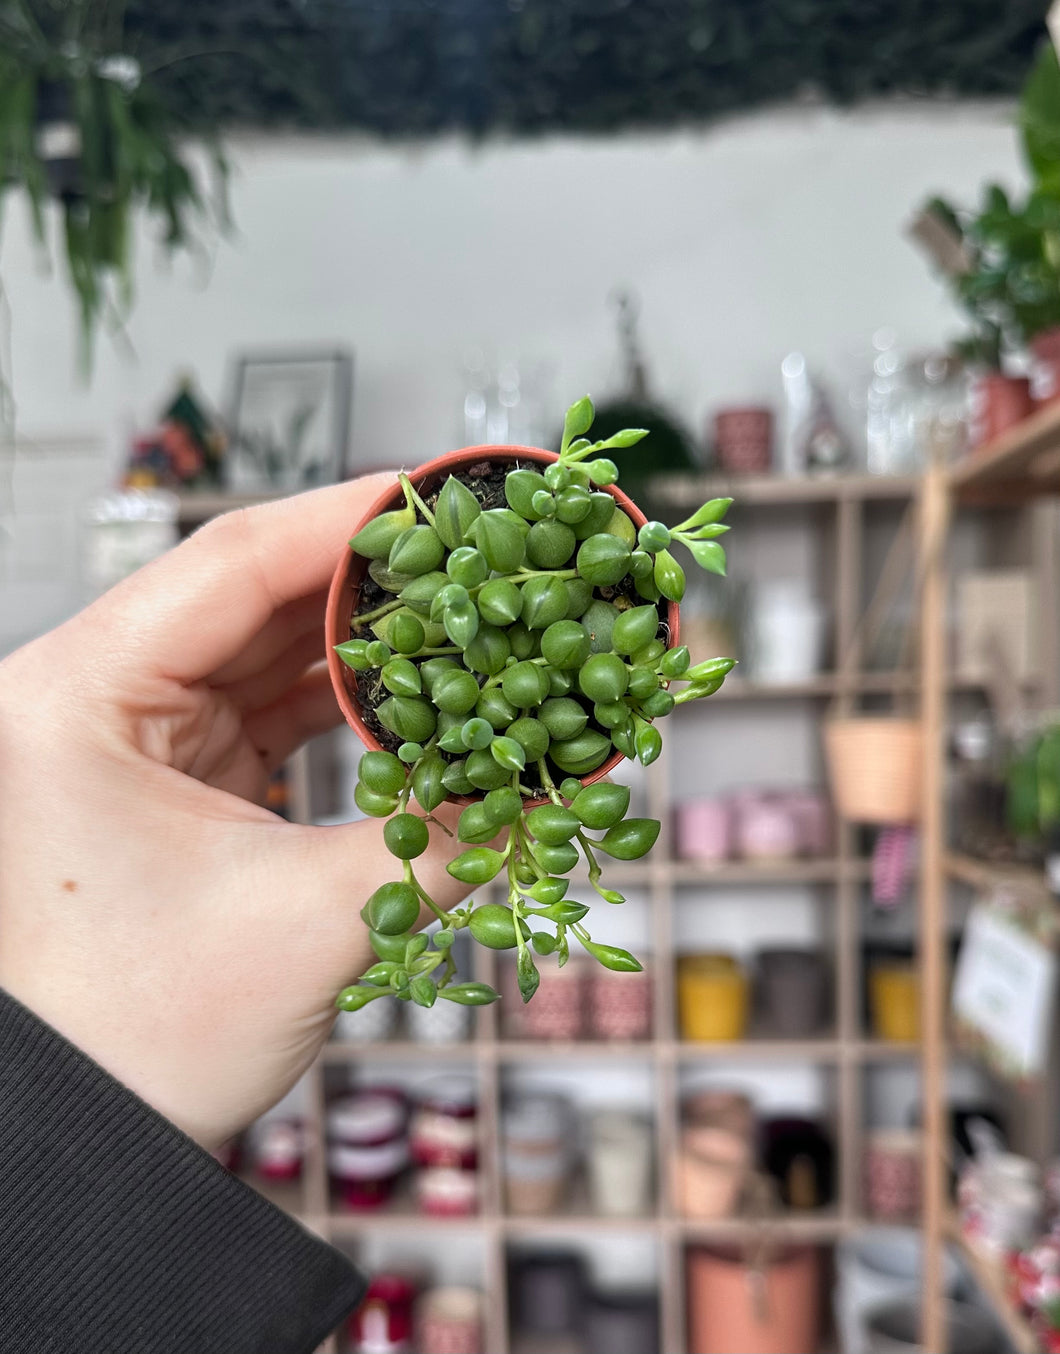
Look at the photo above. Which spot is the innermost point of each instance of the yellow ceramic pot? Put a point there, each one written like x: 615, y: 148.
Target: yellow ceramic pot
x: 894, y: 1001
x: 712, y: 997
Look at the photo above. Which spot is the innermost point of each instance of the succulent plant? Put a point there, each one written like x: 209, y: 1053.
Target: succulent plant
x: 517, y: 650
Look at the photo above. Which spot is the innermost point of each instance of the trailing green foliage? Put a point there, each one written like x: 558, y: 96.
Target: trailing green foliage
x: 539, y: 674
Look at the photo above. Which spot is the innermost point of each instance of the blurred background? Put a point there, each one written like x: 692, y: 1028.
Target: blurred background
x: 814, y: 246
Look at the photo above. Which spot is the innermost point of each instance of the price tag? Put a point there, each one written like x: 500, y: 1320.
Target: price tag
x: 1003, y: 990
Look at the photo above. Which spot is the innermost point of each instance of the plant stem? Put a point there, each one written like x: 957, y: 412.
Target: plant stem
x: 366, y: 617
x: 406, y: 484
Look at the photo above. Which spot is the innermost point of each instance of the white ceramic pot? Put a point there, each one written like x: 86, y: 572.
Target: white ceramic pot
x: 787, y: 629
x: 876, y: 1266
x: 619, y: 1162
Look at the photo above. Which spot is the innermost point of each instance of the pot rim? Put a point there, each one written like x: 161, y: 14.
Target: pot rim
x: 351, y: 568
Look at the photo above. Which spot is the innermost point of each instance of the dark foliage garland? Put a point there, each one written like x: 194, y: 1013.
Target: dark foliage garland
x: 416, y: 67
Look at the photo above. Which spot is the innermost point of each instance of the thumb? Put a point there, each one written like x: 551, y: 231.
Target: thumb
x: 332, y: 872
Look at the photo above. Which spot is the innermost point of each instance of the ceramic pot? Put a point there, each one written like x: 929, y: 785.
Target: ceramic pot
x: 893, y: 1174
x: 351, y: 569
x: 998, y: 402
x: 787, y: 629
x: 619, y: 1161
x: 766, y: 828
x: 894, y: 1000
x: 894, y: 1328
x: 622, y: 1323
x: 712, y: 1169
x: 368, y: 1147
x: 734, y: 1308
x: 801, y: 1159
x: 620, y: 1004
x: 876, y: 1266
x: 443, y: 1023
x: 547, y: 1292
x: 792, y: 990
x: 743, y: 440
x: 712, y: 997
x: 704, y: 830
x: 449, y: 1321
x: 558, y: 1008
x: 535, y: 1155
x: 380, y: 1020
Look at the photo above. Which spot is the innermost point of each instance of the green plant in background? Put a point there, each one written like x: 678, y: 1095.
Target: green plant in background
x: 519, y: 647
x: 1002, y: 262
x: 80, y: 124
x: 1033, y: 801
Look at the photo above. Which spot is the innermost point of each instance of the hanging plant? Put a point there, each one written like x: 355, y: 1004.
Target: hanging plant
x: 81, y: 125
x: 504, y: 631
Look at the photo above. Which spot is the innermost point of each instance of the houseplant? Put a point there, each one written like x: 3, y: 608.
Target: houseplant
x: 1002, y: 262
x: 81, y: 125
x: 502, y: 632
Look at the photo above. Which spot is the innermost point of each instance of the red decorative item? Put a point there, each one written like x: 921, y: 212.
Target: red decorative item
x: 444, y: 1127
x: 620, y: 1004
x: 999, y: 402
x: 743, y: 440
x: 278, y: 1149
x: 1046, y: 350
x: 352, y: 568
x: 893, y: 1175
x: 368, y: 1147
x: 383, y: 1322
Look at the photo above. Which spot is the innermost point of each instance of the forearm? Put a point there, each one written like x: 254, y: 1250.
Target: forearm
x: 119, y: 1235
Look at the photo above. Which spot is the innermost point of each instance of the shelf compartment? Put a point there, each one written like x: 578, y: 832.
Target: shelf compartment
x: 990, y: 1277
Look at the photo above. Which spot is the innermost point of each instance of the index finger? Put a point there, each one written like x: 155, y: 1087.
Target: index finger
x: 198, y: 606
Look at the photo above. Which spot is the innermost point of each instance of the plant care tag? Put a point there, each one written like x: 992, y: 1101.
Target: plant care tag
x: 1004, y: 984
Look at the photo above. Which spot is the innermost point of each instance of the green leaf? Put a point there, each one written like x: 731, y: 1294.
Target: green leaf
x: 648, y: 743
x: 353, y: 998
x: 578, y: 420
x: 469, y: 994
x: 708, y: 555
x: 382, y: 773
x: 353, y: 654
x: 379, y: 975
x: 375, y: 540
x: 416, y: 946
x: 520, y: 486
x: 669, y: 576
x: 424, y: 991
x: 500, y: 540
x: 543, y: 943
x: 603, y: 560
x: 628, y: 437
x: 613, y: 958
x: 455, y: 511
x: 566, y: 912
x: 630, y: 839
x: 401, y: 677
x: 601, y: 806
x: 508, y: 753
x: 552, y: 824
x: 548, y: 890
x: 709, y: 669
x: 477, y: 866
x: 713, y: 511
x: 528, y: 977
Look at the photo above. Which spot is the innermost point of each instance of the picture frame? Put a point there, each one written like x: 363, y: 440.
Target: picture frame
x: 289, y: 419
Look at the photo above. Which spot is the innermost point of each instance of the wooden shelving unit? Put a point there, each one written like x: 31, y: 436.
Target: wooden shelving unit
x: 1016, y: 470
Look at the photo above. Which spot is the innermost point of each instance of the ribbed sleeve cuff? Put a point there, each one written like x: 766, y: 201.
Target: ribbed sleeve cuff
x: 120, y: 1235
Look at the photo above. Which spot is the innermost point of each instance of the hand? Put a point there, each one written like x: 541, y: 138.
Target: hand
x: 151, y: 909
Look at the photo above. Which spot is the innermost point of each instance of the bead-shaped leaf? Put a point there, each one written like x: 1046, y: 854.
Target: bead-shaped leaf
x: 456, y: 509
x: 375, y: 539
x: 527, y: 975
x: 427, y: 784
x: 416, y: 551
x: 713, y: 511
x: 630, y: 839
x: 552, y: 824
x: 499, y: 539
x: 612, y: 957
x: 402, y: 677
x: 477, y: 866
x: 508, y: 753
x: 708, y: 555
x: 603, y: 560
x: 669, y: 576
x: 634, y: 628
x: 469, y: 994
x: 520, y: 486
x: 601, y: 806
x: 578, y: 419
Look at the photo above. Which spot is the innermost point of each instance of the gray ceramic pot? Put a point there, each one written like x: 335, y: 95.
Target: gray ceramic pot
x: 622, y: 1323
x: 894, y: 1328
x: 792, y: 990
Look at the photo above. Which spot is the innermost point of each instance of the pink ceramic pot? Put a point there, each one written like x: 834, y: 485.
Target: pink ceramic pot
x: 743, y: 440
x: 704, y: 830
x: 619, y: 1004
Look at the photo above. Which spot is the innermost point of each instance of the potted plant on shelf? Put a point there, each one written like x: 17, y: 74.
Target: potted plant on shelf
x: 81, y: 125
x: 1033, y: 799
x: 1002, y: 264
x: 502, y: 632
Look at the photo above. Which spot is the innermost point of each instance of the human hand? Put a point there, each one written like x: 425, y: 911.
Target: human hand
x: 151, y: 909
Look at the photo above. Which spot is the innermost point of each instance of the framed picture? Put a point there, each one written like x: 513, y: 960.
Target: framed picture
x: 289, y: 420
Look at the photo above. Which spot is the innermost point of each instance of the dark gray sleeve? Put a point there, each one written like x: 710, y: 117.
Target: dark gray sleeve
x: 119, y: 1235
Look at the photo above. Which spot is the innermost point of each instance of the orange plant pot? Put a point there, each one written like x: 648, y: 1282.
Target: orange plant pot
x: 352, y: 568
x: 735, y: 1308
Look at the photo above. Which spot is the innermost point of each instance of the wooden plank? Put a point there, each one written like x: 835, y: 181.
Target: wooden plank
x: 990, y: 1277
x: 932, y: 528
x: 1020, y: 464
x: 679, y: 491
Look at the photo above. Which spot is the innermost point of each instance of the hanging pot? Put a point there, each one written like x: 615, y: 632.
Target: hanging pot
x: 57, y: 139
x: 874, y: 766
x: 998, y: 402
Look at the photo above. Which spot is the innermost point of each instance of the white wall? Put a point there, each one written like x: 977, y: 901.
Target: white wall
x: 744, y: 240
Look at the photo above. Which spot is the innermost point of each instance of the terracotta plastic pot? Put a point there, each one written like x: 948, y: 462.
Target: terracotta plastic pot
x: 352, y: 568
x: 735, y: 1308
x: 874, y: 767
x: 999, y: 402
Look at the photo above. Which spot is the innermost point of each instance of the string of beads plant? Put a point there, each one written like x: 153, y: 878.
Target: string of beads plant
x: 515, y: 649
